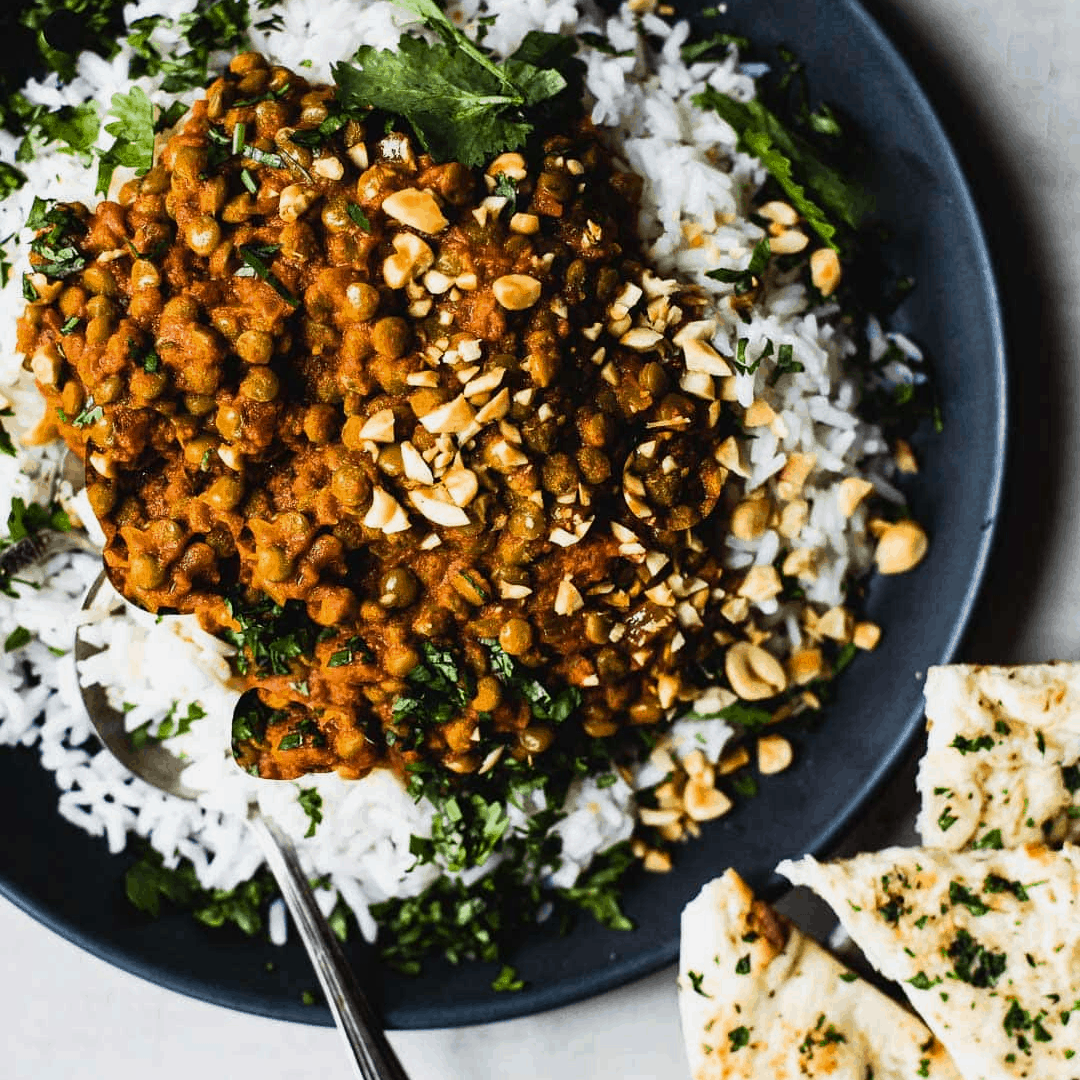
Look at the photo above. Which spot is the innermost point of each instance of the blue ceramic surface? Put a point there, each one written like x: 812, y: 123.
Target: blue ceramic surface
x: 69, y: 882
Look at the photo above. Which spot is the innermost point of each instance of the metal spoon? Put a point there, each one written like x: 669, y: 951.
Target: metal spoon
x: 373, y: 1057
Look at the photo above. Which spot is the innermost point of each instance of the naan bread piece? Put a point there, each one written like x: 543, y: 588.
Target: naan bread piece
x: 1003, y: 743
x: 761, y: 1000
x: 986, y: 945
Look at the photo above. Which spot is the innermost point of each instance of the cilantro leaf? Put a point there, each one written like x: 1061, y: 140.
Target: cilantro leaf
x: 311, y: 803
x: 464, y: 831
x: 745, y: 280
x: 55, y: 248
x: 6, y: 445
x: 457, y: 110
x: 18, y: 637
x: 508, y: 980
x: 253, y: 257
x: 782, y: 152
x: 543, y: 704
x: 461, y: 103
x: 133, y: 137
x: 747, y: 716
x: 719, y: 43
x: 74, y: 127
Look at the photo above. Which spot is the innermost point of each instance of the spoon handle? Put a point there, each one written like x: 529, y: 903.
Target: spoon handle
x: 373, y: 1057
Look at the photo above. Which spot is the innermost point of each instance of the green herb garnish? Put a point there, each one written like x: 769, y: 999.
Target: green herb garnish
x: 148, y: 882
x: 90, y: 414
x: 544, y: 705
x: 974, y: 963
x: 359, y: 217
x: 785, y: 154
x: 507, y: 980
x: 56, y: 250
x: 254, y: 258
x: 960, y: 894
x: 18, y: 637
x: 311, y: 803
x: 971, y: 746
x: 738, y: 1038
x: 746, y: 280
x: 133, y: 137
x: 462, y: 104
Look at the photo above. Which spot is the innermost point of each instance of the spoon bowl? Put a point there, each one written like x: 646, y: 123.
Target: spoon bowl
x: 154, y: 763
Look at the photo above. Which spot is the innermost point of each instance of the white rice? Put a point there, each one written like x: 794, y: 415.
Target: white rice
x: 697, y: 192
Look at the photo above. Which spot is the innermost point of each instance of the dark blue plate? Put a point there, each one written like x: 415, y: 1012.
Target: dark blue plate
x: 69, y: 882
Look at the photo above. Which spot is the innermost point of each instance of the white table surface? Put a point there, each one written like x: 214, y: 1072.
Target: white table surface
x: 1012, y: 67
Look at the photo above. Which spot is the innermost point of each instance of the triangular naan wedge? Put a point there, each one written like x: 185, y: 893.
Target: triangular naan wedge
x: 1001, y: 745
x: 986, y: 945
x: 761, y: 1000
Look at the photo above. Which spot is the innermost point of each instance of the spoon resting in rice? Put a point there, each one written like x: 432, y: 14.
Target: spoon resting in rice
x: 373, y: 1057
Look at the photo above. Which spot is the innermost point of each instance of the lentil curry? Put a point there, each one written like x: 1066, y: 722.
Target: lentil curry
x: 429, y: 443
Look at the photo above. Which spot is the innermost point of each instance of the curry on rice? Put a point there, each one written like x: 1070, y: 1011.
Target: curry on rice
x: 440, y: 421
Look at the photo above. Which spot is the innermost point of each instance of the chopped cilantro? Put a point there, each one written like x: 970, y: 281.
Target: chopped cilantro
x: 18, y: 637
x: 90, y: 414
x: 784, y: 154
x: 738, y: 1038
x: 745, y: 280
x: 311, y: 803
x: 742, y: 966
x: 73, y: 127
x: 55, y: 248
x: 149, y: 881
x: 507, y: 980
x: 922, y: 982
x: 544, y: 705
x: 481, y: 920
x: 268, y: 637
x: 6, y: 445
x: 1070, y: 777
x: 995, y: 883
x: 960, y: 894
x: 505, y: 188
x: 254, y: 257
x: 464, y: 831
x: 359, y: 217
x: 696, y: 979
x: 970, y: 746
x: 354, y: 647
x: 946, y: 820
x: 974, y: 963
x: 991, y: 840
x: 786, y: 364
x: 716, y: 43
x: 747, y: 716
x: 187, y: 42
x: 745, y: 785
x: 891, y: 910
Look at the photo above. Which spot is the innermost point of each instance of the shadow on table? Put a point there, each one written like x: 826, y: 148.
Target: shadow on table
x: 1016, y: 231
x: 1034, y: 321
